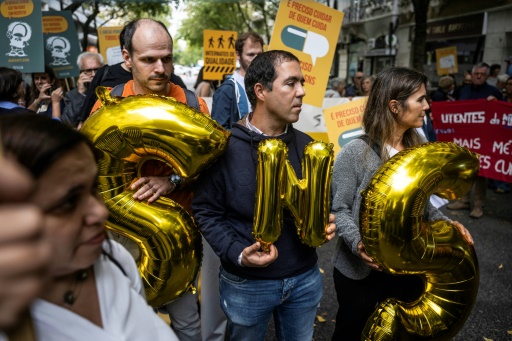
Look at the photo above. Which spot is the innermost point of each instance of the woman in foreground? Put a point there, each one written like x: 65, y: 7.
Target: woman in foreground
x: 94, y: 290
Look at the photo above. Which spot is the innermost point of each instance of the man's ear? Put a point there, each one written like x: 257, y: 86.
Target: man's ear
x: 259, y: 91
x: 126, y: 58
x: 237, y: 56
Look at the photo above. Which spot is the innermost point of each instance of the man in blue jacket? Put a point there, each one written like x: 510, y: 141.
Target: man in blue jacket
x: 230, y: 102
x: 479, y: 89
x: 254, y: 284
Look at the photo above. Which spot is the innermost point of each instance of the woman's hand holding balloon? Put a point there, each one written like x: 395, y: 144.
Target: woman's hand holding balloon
x: 464, y: 231
x: 367, y: 259
x: 330, y: 231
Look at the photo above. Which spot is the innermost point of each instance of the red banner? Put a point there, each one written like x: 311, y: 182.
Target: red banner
x: 484, y: 127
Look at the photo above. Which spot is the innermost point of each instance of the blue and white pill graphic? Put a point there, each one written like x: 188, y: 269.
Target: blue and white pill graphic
x: 314, y: 44
x: 349, y: 135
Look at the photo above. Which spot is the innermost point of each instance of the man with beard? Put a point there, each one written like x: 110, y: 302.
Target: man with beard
x: 230, y: 103
x: 148, y: 52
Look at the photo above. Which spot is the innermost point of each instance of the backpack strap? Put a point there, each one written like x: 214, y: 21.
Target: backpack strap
x: 373, y: 145
x: 192, y: 100
x: 118, y: 90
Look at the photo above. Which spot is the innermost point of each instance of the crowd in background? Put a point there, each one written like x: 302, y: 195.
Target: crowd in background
x: 483, y: 81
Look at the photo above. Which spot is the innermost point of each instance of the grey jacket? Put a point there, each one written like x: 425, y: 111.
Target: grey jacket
x: 353, y: 169
x: 73, y: 103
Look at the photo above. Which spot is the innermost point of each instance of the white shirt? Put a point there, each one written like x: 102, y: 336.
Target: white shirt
x: 124, y: 312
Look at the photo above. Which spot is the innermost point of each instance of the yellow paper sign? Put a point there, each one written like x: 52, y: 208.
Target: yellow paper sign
x: 108, y: 39
x: 343, y: 122
x: 446, y: 60
x: 310, y: 31
x: 219, y: 54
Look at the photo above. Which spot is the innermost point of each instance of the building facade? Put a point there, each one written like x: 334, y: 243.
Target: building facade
x: 378, y: 33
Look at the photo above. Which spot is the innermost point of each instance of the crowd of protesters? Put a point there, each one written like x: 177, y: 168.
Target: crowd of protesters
x: 40, y: 125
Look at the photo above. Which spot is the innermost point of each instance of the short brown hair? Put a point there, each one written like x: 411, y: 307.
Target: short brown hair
x: 239, y: 44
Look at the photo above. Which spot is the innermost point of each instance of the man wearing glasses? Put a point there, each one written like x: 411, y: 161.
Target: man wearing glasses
x: 479, y: 89
x: 88, y: 63
x: 354, y: 89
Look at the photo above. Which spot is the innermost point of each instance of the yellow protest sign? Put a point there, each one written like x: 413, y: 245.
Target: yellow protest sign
x: 343, y: 122
x: 446, y: 60
x: 219, y: 54
x: 310, y: 31
x: 110, y: 49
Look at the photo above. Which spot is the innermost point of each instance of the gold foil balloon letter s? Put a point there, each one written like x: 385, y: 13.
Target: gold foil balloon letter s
x: 277, y: 187
x: 397, y: 238
x: 129, y: 131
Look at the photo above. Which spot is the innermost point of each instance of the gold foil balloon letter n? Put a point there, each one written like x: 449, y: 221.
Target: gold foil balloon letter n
x: 278, y: 187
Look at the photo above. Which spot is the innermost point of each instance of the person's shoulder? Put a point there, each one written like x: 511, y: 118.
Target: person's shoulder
x: 116, y: 250
x: 355, y: 146
x: 302, y: 137
x: 72, y: 93
x: 16, y: 111
x: 114, y: 75
x: 125, y: 262
x: 466, y: 89
x: 227, y: 85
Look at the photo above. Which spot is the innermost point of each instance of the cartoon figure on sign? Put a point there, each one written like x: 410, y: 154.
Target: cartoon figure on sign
x: 19, y: 34
x: 59, y: 46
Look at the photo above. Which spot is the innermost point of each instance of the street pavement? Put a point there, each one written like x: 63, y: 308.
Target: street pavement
x: 491, y: 318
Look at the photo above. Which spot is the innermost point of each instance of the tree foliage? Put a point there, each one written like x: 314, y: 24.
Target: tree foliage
x: 108, y: 10
x: 188, y: 55
x: 230, y: 15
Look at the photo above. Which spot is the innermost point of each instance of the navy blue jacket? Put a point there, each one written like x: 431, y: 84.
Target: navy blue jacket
x: 225, y: 107
x: 223, y: 207
x: 479, y: 92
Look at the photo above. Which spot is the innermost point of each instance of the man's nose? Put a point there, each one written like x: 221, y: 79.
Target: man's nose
x: 302, y: 91
x: 159, y: 66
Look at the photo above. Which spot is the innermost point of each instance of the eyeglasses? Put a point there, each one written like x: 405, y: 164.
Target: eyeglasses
x: 89, y: 72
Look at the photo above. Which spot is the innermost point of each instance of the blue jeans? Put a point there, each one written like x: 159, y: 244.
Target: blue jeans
x: 249, y: 304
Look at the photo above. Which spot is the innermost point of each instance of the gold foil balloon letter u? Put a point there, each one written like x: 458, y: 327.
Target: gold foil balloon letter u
x: 277, y: 186
x: 397, y: 238
x: 127, y: 132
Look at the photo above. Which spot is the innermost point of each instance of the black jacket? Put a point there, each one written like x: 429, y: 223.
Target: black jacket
x: 224, y: 202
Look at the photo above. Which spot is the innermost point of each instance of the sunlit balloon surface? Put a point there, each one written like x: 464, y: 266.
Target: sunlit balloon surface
x: 277, y: 187
x: 127, y: 132
x: 398, y: 238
